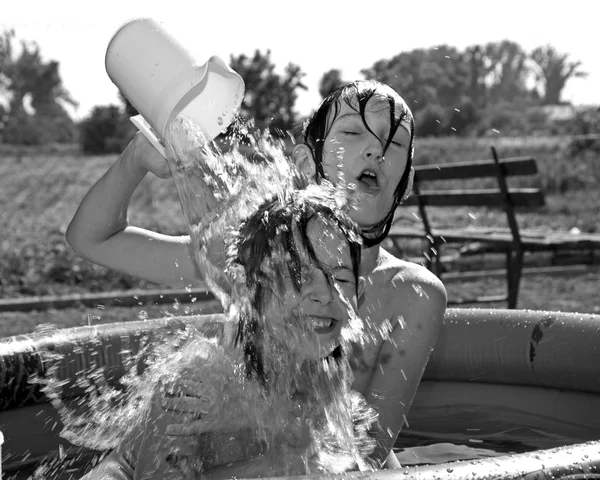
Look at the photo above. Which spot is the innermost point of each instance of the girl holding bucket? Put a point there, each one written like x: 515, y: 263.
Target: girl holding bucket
x: 363, y: 135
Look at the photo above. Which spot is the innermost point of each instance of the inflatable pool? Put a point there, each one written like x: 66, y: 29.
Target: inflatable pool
x: 522, y: 385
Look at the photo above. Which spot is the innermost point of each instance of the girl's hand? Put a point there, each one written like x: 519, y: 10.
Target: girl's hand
x: 187, y: 400
x: 147, y: 157
x: 161, y: 455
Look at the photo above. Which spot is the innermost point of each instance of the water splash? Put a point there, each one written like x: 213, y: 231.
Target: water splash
x: 307, y: 411
x: 307, y: 407
x: 217, y: 190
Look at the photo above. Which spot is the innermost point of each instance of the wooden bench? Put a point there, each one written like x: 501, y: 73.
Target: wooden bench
x: 511, y: 240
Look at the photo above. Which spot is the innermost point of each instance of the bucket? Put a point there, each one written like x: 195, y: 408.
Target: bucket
x: 162, y: 79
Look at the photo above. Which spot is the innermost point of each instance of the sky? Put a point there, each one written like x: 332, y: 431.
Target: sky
x: 317, y: 35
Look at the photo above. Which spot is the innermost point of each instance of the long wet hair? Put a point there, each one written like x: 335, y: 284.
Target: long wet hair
x: 269, y: 245
x: 356, y: 95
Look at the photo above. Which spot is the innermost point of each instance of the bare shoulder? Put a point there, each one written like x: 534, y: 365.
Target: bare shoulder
x: 408, y: 284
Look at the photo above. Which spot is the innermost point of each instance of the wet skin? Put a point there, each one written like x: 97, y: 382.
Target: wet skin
x: 355, y: 155
x: 310, y: 322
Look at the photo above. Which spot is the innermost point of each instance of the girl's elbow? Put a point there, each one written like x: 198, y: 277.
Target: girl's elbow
x: 71, y: 237
x: 77, y: 241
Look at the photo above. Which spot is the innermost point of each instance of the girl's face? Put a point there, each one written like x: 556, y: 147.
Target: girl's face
x: 310, y: 322
x: 354, y: 155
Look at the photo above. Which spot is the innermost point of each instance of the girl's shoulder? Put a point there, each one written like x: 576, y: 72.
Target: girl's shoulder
x: 392, y: 269
x: 397, y: 285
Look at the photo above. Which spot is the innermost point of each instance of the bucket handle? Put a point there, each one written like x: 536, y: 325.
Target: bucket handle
x: 144, y: 127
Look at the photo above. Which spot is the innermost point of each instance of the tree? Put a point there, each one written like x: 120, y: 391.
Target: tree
x: 478, y: 72
x: 330, y: 80
x: 103, y: 130
x: 130, y: 110
x: 430, y: 121
x: 270, y: 97
x: 6, y: 55
x: 507, y: 71
x: 438, y: 75
x: 555, y: 70
x: 28, y: 76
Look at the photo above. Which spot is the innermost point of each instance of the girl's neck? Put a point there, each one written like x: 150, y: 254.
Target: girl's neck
x: 369, y: 259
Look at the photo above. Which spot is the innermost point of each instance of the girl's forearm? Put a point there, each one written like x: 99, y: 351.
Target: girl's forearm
x: 103, y: 211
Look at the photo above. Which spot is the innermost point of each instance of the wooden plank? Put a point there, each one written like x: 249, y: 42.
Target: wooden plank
x: 483, y: 299
x: 500, y: 273
x: 478, y: 169
x: 454, y: 234
x: 496, y: 240
x: 130, y: 298
x: 519, y: 197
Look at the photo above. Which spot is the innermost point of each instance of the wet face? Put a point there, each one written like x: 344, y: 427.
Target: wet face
x: 310, y: 322
x: 355, y: 155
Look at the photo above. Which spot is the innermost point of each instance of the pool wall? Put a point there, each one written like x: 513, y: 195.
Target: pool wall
x: 508, y: 376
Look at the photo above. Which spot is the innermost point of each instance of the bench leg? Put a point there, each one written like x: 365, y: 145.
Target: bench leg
x: 437, y: 259
x: 514, y: 267
x: 434, y: 257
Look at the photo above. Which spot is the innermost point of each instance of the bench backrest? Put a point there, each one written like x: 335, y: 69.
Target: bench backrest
x: 502, y: 196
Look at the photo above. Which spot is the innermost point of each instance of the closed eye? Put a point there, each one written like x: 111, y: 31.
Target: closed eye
x: 342, y: 280
x: 396, y: 144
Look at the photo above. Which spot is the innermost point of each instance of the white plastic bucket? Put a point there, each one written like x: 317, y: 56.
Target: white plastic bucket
x: 162, y: 79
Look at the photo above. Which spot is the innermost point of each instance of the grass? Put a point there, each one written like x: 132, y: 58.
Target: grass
x: 39, y: 192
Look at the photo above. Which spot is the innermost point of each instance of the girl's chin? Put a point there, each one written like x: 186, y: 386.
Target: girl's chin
x: 367, y: 217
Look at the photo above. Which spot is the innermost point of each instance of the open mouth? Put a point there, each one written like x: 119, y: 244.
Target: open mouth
x: 322, y: 325
x: 368, y: 180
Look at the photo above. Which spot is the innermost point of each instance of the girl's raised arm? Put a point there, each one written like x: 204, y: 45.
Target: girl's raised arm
x: 100, y: 231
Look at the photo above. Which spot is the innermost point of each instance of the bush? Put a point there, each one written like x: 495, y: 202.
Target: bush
x: 462, y: 118
x: 23, y: 129
x: 429, y: 121
x: 53, y: 125
x: 106, y: 130
x: 585, y: 123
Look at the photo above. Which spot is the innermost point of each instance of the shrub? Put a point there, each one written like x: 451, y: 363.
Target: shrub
x: 429, y: 121
x: 106, y: 130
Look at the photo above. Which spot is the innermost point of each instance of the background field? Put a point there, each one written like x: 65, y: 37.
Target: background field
x: 40, y: 190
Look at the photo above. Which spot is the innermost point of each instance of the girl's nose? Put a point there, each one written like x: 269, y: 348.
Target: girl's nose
x: 374, y: 150
x: 319, y: 288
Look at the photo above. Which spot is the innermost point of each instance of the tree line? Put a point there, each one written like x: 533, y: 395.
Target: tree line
x: 451, y: 91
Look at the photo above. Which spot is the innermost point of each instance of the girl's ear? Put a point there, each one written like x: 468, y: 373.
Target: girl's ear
x: 304, y: 160
x: 409, y: 184
x: 360, y: 290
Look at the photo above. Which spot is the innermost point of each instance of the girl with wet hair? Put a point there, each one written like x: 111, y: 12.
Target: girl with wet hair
x: 363, y: 135
x: 356, y: 96
x: 277, y: 253
x: 281, y: 402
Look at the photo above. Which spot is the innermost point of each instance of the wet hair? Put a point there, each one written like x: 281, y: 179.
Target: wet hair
x: 269, y: 245
x: 356, y: 95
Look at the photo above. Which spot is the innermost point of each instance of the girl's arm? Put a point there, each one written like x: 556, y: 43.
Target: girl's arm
x: 100, y: 231
x: 402, y: 359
